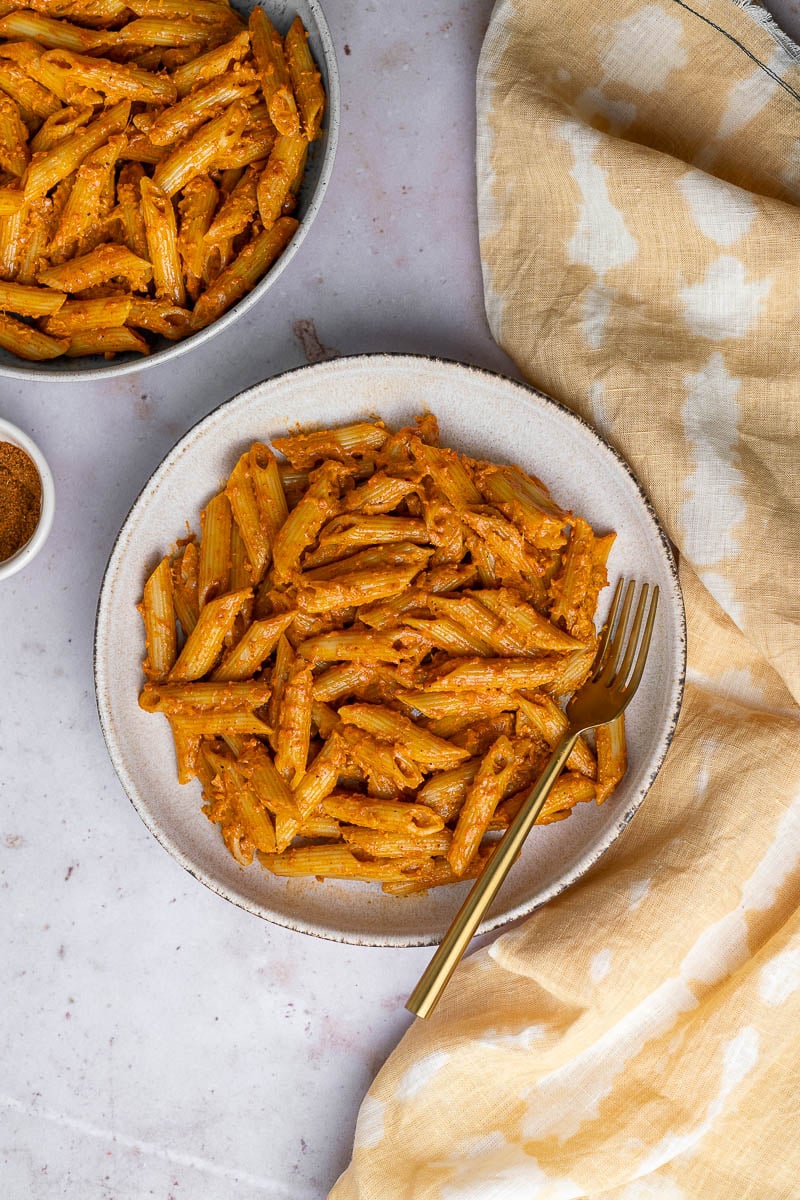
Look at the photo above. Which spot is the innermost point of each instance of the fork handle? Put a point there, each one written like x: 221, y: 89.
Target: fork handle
x: 429, y: 990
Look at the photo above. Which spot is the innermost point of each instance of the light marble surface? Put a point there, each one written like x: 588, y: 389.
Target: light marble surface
x: 157, y: 1041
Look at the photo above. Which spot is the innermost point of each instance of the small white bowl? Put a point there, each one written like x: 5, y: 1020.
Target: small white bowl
x: 10, y: 566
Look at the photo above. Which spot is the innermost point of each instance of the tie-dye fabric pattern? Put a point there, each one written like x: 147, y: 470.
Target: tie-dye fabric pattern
x: 639, y: 1039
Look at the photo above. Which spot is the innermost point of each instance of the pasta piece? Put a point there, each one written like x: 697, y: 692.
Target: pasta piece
x: 275, y: 181
x: 158, y: 614
x: 253, y: 648
x: 331, y: 862
x: 99, y: 266
x: 184, y: 587
x: 483, y: 796
x: 575, y: 589
x: 365, y: 647
x: 174, y: 698
x: 36, y: 230
x: 386, y: 766
x: 29, y: 343
x: 244, y: 506
x: 65, y: 157
x: 378, y: 844
x: 211, y: 65
x: 446, y: 791
x: 533, y: 631
x: 612, y: 756
x: 385, y: 815
x: 380, y: 494
x: 151, y: 31
x: 506, y: 674
x: 373, y: 584
x: 200, y: 152
x: 304, y: 522
x: 29, y: 301
x: 503, y: 539
x: 184, y: 118
x: 211, y: 11
x: 526, y: 502
x: 159, y: 316
x: 392, y: 555
x: 204, y: 643
x: 107, y: 342
x: 237, y: 211
x: 273, y: 511
x: 270, y: 788
x: 432, y: 753
x: 284, y: 661
x: 196, y: 207
x: 10, y: 201
x: 90, y: 200
x: 244, y: 272
x: 449, y: 636
x: 78, y: 316
x: 14, y: 152
x: 348, y: 443
x: 320, y: 779
x: 551, y: 723
x: 294, y: 724
x: 114, y: 81
x: 218, y: 722
x: 162, y: 243
x: 306, y: 80
x: 438, y: 872
x: 214, y: 568
x: 32, y: 98
x: 273, y: 73
x: 47, y: 32
x: 448, y: 473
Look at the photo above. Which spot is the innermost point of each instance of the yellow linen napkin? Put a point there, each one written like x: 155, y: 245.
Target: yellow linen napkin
x: 639, y: 1038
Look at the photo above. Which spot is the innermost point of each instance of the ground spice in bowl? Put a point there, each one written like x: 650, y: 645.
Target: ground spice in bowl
x: 20, y: 499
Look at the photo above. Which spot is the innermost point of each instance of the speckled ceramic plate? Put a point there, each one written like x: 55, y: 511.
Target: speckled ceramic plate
x: 486, y: 416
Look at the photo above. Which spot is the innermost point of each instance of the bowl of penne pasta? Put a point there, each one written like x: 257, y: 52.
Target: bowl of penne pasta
x: 160, y: 164
x: 356, y: 637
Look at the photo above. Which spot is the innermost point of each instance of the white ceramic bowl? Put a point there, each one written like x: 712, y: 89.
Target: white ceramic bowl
x: 318, y: 172
x: 10, y: 566
x: 484, y: 415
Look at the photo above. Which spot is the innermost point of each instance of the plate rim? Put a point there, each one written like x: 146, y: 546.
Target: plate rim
x: 529, y: 394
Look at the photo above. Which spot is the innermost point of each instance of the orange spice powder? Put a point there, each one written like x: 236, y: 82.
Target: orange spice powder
x: 20, y: 499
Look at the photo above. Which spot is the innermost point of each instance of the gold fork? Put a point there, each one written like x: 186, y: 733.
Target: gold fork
x: 616, y: 675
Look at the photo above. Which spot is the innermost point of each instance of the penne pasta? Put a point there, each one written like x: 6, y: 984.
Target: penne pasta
x: 29, y: 301
x: 106, y: 341
x: 211, y: 65
x: 244, y: 272
x: 214, y: 567
x: 331, y: 862
x: 273, y: 72
x: 385, y: 815
x: 431, y: 752
x: 183, y: 118
x: 483, y: 795
x: 275, y: 181
x: 202, y: 150
x: 204, y: 643
x: 294, y: 723
x: 65, y: 157
x: 99, y: 266
x: 174, y: 698
x: 29, y: 343
x: 306, y: 81
x: 253, y: 648
x: 162, y: 243
x: 14, y: 151
x: 114, y: 81
x: 158, y: 614
x: 612, y: 757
